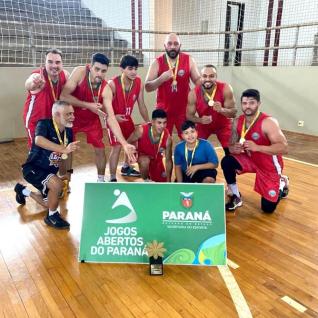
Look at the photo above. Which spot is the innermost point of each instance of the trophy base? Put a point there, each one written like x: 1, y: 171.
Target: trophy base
x: 155, y: 266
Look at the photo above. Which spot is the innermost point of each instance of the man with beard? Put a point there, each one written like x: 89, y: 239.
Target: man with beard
x: 127, y: 89
x: 154, y: 147
x: 214, y: 103
x: 170, y: 73
x: 53, y: 143
x: 256, y: 146
x: 44, y: 87
x: 88, y: 91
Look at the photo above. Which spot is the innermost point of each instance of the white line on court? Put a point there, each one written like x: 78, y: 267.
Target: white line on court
x: 7, y: 189
x: 287, y: 158
x: 218, y: 148
x: 232, y: 264
x: 304, y: 162
x: 238, y: 299
x: 296, y: 305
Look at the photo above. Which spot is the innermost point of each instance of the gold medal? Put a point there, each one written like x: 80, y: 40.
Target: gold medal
x: 245, y: 130
x: 174, y: 87
x: 160, y: 140
x: 99, y: 86
x: 64, y: 143
x: 126, y: 93
x: 209, y: 98
x: 174, y: 72
x: 55, y: 96
x: 189, y: 164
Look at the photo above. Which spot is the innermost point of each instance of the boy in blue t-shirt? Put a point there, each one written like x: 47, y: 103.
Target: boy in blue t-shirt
x: 195, y: 159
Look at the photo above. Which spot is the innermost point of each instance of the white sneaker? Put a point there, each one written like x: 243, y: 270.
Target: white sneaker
x: 283, y: 186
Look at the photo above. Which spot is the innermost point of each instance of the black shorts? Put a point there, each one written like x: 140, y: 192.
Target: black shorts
x: 38, y: 178
x: 199, y: 176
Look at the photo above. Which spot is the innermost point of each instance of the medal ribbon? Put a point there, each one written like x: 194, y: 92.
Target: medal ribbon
x: 175, y: 72
x: 160, y: 141
x: 210, y: 97
x: 193, y: 152
x: 244, y: 130
x: 92, y: 91
x: 123, y: 88
x: 52, y: 88
x: 59, y: 135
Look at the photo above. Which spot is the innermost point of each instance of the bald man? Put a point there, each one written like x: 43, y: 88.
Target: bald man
x: 170, y: 75
x: 211, y: 105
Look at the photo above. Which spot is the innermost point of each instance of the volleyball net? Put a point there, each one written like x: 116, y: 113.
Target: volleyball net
x: 225, y: 33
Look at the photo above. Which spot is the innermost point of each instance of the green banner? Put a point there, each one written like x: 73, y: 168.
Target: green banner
x: 120, y: 218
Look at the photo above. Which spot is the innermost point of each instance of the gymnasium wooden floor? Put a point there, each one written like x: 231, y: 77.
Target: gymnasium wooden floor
x: 276, y: 255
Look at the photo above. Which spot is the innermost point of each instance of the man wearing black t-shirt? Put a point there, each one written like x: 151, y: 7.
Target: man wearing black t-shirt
x: 53, y: 143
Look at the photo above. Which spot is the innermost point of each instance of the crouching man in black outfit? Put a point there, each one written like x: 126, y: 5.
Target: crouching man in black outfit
x: 53, y: 143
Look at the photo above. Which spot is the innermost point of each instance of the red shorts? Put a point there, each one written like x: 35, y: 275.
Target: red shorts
x: 266, y: 183
x: 175, y: 120
x: 127, y: 128
x: 31, y: 135
x: 157, y: 171
x: 223, y: 132
x: 94, y: 132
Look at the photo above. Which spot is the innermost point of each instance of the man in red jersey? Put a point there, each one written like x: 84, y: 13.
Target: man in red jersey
x: 214, y: 103
x: 88, y: 91
x: 256, y: 146
x: 127, y: 89
x: 170, y: 73
x: 154, y: 146
x: 44, y: 87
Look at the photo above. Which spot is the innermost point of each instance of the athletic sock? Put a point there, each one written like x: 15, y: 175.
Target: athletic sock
x: 234, y: 188
x: 26, y: 192
x: 52, y: 212
x: 125, y: 165
x: 100, y: 178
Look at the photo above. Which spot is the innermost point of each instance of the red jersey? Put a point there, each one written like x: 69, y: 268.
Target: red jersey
x: 270, y: 164
x: 155, y: 151
x: 146, y: 145
x: 83, y: 91
x: 203, y: 109
x: 124, y: 104
x: 39, y: 105
x: 174, y: 102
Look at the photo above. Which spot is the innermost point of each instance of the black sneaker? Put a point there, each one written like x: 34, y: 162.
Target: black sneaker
x: 56, y: 221
x: 234, y: 202
x: 113, y: 180
x: 20, y: 197
x: 129, y: 172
